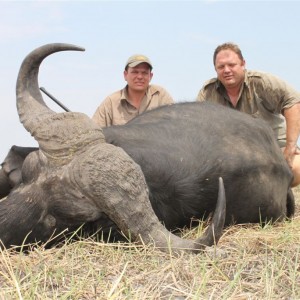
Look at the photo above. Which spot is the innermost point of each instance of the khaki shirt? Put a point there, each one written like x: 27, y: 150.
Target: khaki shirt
x: 116, y: 109
x: 262, y: 96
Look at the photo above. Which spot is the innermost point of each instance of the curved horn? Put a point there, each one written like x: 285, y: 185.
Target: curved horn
x: 210, y: 237
x: 119, y: 189
x: 215, y: 229
x: 59, y: 135
x: 30, y: 104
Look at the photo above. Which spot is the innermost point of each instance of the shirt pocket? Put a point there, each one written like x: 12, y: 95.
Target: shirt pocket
x: 261, y: 108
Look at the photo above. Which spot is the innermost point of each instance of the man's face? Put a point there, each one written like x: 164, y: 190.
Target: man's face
x: 230, y: 68
x: 139, y: 77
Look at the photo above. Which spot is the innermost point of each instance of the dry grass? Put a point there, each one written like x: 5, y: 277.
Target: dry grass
x: 250, y: 262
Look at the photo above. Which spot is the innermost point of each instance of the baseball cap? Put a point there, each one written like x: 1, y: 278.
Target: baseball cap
x: 137, y: 59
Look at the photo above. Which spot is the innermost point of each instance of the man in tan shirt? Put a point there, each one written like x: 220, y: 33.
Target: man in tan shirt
x: 259, y: 94
x: 137, y: 97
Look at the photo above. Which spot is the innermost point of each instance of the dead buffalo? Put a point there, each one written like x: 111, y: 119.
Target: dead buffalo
x: 171, y: 157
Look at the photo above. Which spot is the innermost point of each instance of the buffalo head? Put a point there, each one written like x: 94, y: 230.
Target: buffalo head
x: 76, y: 177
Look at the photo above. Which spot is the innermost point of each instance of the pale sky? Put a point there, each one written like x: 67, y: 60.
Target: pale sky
x: 178, y: 36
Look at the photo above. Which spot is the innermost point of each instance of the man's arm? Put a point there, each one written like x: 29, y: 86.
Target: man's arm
x: 102, y: 115
x: 292, y: 117
x: 201, y: 95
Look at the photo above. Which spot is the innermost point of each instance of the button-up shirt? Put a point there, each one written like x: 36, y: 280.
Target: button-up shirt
x: 117, y: 110
x: 262, y: 95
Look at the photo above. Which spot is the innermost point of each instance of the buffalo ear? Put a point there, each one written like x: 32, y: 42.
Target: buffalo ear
x: 13, y: 163
x: 11, y: 168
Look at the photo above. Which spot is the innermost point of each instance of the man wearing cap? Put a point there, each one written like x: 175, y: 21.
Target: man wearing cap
x: 136, y: 97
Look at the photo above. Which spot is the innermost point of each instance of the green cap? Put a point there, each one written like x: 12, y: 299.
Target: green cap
x: 137, y: 59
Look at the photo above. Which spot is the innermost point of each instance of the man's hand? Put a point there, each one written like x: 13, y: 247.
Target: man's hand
x: 289, y: 153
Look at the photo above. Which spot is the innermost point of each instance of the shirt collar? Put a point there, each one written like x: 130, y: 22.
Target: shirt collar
x: 151, y: 90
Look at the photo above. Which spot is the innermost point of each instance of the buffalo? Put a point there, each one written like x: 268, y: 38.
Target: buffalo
x: 157, y: 173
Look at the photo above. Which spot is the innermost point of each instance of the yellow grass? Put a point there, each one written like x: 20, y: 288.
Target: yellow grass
x: 250, y: 262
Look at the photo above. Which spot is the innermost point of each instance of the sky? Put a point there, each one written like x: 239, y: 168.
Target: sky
x: 178, y: 36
